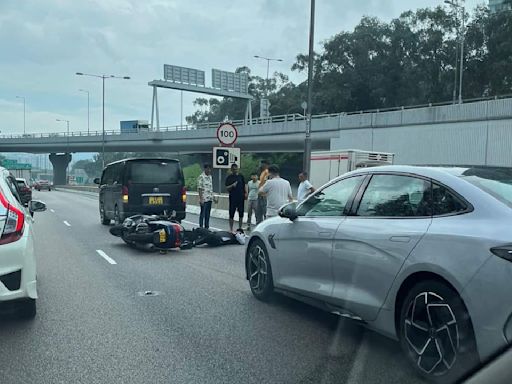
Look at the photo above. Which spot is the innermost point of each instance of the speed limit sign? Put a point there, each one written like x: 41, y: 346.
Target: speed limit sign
x: 227, y: 134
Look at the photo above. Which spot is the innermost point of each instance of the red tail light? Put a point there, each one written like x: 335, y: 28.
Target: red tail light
x: 184, y: 195
x: 125, y: 194
x: 14, y: 222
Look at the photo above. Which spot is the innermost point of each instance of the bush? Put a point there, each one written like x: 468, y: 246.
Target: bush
x: 191, y: 173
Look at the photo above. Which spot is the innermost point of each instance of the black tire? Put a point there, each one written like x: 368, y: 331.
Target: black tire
x: 27, y: 309
x: 259, y: 271
x: 436, y: 332
x: 103, y: 217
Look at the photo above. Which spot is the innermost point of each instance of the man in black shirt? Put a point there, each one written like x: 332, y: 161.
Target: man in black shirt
x: 237, y: 189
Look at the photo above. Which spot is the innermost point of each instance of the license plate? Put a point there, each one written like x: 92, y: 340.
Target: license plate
x: 163, y: 236
x: 156, y: 200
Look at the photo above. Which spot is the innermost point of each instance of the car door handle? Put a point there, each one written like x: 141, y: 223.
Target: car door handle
x: 325, y: 234
x: 400, y: 239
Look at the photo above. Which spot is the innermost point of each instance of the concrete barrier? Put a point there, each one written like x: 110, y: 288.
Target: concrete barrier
x: 220, y: 209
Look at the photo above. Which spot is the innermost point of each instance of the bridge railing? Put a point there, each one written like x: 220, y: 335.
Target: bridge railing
x: 258, y: 120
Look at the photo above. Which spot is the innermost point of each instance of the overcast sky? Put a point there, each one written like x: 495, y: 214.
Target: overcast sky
x: 43, y: 44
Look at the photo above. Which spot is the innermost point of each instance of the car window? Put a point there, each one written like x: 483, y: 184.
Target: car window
x: 332, y: 200
x: 445, y: 202
x: 117, y: 171
x: 108, y: 176
x: 497, y: 182
x: 395, y: 196
x: 11, y: 183
x: 155, y: 172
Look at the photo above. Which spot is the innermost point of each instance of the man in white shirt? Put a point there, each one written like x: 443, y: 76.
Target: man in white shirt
x: 205, y: 189
x: 305, y: 187
x: 277, y: 191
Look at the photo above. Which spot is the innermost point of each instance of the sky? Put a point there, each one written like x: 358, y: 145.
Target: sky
x: 44, y: 43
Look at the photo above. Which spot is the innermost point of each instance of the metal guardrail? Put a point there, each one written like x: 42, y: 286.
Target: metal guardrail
x: 254, y: 121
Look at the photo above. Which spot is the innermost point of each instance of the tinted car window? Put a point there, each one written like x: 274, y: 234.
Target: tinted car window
x: 154, y: 172
x: 395, y: 196
x: 495, y: 181
x: 445, y: 202
x: 107, y: 177
x: 332, y: 200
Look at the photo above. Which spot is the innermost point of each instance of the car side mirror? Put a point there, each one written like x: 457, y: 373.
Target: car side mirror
x: 36, y: 206
x: 96, y: 180
x: 288, y: 211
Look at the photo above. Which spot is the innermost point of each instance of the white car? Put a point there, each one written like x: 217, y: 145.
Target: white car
x: 18, y: 285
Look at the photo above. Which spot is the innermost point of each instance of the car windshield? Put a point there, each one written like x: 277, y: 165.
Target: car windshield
x: 255, y: 191
x: 161, y: 172
x: 495, y: 181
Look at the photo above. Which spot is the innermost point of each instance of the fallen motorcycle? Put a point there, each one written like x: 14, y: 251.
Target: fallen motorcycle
x: 152, y: 232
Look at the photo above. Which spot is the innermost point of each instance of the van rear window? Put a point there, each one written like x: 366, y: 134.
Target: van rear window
x: 155, y: 173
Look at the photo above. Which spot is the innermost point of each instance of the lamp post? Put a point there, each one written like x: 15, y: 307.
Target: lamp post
x: 88, y: 110
x: 462, y: 26
x: 24, y: 115
x: 269, y: 59
x: 103, y: 77
x: 309, y: 106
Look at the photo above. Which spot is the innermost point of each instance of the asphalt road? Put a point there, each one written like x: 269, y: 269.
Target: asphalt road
x: 204, y: 326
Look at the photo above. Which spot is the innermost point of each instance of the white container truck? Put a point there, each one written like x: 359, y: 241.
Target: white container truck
x: 327, y: 165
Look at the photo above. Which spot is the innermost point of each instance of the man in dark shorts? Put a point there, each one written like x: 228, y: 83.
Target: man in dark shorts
x: 237, y: 189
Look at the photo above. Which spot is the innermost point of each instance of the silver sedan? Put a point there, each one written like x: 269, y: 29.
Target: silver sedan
x: 420, y: 254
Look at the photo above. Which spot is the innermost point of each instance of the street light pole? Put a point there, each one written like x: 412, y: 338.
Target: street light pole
x: 307, y: 140
x: 462, y: 26
x: 88, y: 109
x: 462, y: 42
x: 24, y: 114
x: 269, y: 59
x: 103, y: 77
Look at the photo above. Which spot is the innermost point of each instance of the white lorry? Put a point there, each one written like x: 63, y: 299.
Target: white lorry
x: 327, y: 165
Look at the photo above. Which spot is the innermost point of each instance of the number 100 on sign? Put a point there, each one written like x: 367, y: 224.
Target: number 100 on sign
x: 227, y: 134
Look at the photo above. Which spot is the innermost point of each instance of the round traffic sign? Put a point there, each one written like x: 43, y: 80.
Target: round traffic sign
x: 227, y: 134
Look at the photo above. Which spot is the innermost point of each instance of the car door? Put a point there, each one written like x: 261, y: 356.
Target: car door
x: 304, y: 246
x: 106, y: 192
x: 371, y: 245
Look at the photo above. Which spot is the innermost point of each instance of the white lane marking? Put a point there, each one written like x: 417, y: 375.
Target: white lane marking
x: 65, y: 222
x: 52, y: 210
x: 360, y: 362
x: 105, y: 256
x: 197, y: 225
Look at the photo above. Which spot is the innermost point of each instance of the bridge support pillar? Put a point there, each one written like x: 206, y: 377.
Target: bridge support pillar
x: 60, y: 165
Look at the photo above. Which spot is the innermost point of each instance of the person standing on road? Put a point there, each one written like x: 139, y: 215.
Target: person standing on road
x: 261, y: 212
x: 205, y: 189
x: 305, y: 187
x: 277, y: 190
x: 237, y: 189
x: 252, y: 200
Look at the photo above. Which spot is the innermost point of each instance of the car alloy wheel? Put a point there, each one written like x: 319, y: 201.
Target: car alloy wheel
x: 436, y: 332
x: 432, y: 333
x: 259, y: 271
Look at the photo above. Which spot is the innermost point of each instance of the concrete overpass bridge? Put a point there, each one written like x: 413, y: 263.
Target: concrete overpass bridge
x: 464, y: 131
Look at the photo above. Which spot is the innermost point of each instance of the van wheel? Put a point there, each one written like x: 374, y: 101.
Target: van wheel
x: 27, y: 310
x: 103, y: 218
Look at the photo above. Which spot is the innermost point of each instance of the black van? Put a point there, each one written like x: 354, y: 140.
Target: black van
x: 141, y: 186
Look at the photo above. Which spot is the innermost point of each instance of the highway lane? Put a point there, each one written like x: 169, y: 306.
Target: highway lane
x: 204, y: 326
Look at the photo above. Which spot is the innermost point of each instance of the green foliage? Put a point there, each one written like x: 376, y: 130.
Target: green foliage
x: 191, y: 173
x: 249, y: 164
x: 410, y: 60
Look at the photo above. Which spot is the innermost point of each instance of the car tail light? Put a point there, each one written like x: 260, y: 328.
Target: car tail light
x: 14, y: 222
x: 503, y: 251
x: 125, y: 194
x: 184, y: 194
